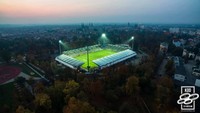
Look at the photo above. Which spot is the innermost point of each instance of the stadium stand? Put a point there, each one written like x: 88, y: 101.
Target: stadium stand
x: 118, y: 47
x: 114, y: 58
x: 69, y: 61
x: 83, y: 50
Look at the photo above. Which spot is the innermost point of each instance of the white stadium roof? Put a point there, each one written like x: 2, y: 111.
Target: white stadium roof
x: 114, y: 58
x: 69, y: 61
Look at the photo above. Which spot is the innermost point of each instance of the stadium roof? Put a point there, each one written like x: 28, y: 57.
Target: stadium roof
x: 69, y: 61
x: 114, y: 58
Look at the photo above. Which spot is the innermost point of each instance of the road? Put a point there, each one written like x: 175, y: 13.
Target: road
x: 190, y: 78
x: 161, y: 70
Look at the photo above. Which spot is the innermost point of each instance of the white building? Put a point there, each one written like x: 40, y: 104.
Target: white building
x: 198, y: 32
x: 184, y: 52
x: 190, y: 54
x: 197, y: 57
x: 174, y: 30
x: 164, y: 47
x: 177, y: 42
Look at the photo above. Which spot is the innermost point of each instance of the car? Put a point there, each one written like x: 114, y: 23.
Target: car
x: 196, y: 72
x: 195, y: 67
x: 179, y: 77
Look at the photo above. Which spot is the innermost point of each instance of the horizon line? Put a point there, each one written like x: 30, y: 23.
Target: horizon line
x: 86, y: 23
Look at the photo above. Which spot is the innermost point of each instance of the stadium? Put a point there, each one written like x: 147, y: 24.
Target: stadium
x: 96, y: 57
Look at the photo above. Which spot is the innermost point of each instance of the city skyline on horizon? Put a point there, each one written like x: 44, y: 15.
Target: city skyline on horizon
x: 88, y: 11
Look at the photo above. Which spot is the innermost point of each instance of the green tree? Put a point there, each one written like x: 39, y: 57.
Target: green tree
x: 177, y: 51
x: 6, y: 55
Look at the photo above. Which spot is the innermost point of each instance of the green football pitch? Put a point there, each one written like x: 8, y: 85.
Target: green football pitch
x: 94, y: 56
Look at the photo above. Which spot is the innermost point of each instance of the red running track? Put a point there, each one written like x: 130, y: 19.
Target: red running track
x: 7, y: 73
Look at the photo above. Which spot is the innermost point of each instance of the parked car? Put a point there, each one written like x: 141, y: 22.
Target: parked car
x: 179, y: 77
x: 196, y: 72
x: 195, y: 67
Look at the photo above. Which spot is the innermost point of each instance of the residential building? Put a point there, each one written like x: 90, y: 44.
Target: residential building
x: 163, y: 47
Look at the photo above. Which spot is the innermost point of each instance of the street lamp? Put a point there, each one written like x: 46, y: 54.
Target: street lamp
x: 60, y: 42
x: 132, y: 38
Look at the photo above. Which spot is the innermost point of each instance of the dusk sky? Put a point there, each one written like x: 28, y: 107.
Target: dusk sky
x: 99, y: 11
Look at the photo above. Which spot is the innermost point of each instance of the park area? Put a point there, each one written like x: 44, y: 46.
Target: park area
x: 94, y: 56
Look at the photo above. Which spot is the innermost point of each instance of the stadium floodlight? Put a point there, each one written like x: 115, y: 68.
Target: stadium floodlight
x: 103, y: 39
x: 60, y: 42
x: 132, y: 38
x: 103, y: 35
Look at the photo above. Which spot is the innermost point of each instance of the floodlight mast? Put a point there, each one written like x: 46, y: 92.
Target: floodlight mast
x: 132, y: 38
x: 103, y: 38
x: 59, y: 42
x: 88, y: 66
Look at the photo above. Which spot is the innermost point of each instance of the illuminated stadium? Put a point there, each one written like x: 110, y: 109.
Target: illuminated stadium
x: 98, y: 56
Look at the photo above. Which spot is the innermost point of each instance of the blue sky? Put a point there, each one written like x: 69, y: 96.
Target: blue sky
x: 78, y: 11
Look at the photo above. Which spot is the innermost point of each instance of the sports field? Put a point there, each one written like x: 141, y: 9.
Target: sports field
x: 94, y: 56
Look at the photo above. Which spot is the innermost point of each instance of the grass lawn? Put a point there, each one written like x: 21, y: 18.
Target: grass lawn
x: 94, y: 56
x: 6, y: 92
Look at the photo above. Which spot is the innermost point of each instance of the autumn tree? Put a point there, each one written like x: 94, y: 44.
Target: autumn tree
x: 112, y: 112
x: 21, y: 109
x: 162, y: 98
x: 166, y: 81
x: 147, y: 86
x: 132, y: 86
x: 164, y: 94
x: 96, y: 88
x: 54, y: 66
x: 56, y: 94
x: 85, y: 84
x: 39, y: 88
x: 43, y: 101
x: 19, y: 58
x: 77, y: 106
x: 169, y: 68
x: 71, y: 89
